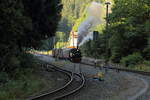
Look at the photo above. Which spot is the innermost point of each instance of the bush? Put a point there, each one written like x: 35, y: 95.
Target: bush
x: 132, y: 59
x: 27, y: 60
x: 116, y: 55
x: 115, y: 58
x: 146, y: 53
x: 3, y: 77
x: 146, y: 63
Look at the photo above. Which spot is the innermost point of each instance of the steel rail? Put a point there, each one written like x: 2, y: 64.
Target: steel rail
x: 70, y: 75
x: 59, y: 93
x: 74, y: 90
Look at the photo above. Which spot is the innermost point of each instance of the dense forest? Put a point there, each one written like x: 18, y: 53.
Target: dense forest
x: 128, y: 32
x: 23, y: 24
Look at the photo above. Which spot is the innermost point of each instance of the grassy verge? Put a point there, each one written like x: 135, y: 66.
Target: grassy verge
x: 25, y: 85
x: 140, y: 67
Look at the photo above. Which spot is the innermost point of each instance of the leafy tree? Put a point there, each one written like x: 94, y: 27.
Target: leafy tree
x: 24, y: 23
x: 95, y: 49
x: 129, y: 27
x: 45, y: 16
x: 71, y: 13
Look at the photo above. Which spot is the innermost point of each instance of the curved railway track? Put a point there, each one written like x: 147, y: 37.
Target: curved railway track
x: 75, y: 83
x: 113, y: 67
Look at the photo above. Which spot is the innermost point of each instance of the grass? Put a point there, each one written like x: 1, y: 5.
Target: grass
x: 144, y: 66
x: 140, y: 67
x: 22, y: 87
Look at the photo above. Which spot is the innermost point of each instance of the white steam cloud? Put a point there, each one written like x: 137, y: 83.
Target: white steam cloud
x: 88, y: 37
x: 94, y: 18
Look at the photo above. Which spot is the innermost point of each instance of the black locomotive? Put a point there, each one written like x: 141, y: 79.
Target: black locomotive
x: 75, y: 55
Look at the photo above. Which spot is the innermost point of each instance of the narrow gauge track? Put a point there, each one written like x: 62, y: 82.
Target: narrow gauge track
x: 122, y: 69
x: 76, y: 82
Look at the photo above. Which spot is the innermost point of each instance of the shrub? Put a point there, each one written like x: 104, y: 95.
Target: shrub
x: 3, y: 77
x: 115, y: 58
x: 116, y: 55
x: 146, y: 53
x: 132, y: 59
x: 27, y: 60
x: 146, y: 62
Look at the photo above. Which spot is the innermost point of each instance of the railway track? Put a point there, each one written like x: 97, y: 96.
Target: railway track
x: 113, y: 67
x: 75, y: 83
x: 121, y: 69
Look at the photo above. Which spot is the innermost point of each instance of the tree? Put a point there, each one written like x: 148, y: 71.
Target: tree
x: 71, y: 12
x: 24, y: 23
x: 129, y: 27
x: 45, y: 16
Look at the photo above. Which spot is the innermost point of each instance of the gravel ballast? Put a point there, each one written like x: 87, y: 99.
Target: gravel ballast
x: 116, y: 85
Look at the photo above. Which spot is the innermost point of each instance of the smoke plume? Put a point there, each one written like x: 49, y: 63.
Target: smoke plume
x: 86, y: 38
x: 94, y: 18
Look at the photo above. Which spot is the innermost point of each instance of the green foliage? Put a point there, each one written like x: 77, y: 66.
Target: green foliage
x: 24, y: 23
x: 140, y: 67
x: 27, y: 60
x: 116, y: 55
x: 146, y: 51
x: 22, y: 87
x: 60, y: 36
x: 73, y: 11
x: 144, y: 66
x: 95, y: 49
x: 3, y: 77
x: 146, y: 62
x: 44, y: 15
x: 132, y: 60
x: 129, y: 28
x: 84, y: 15
x: 60, y: 44
x: 18, y: 62
x: 99, y: 28
x: 47, y: 44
